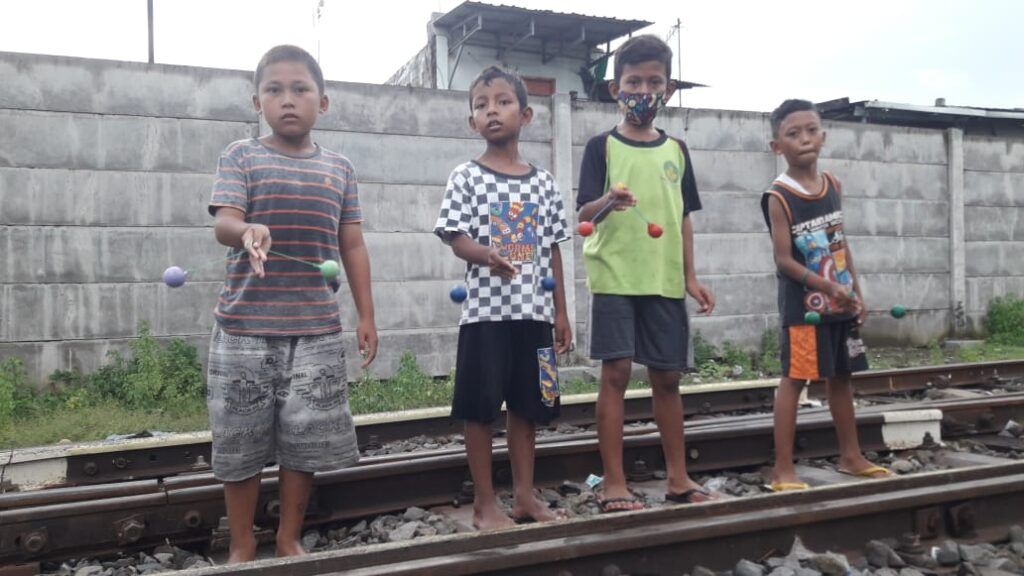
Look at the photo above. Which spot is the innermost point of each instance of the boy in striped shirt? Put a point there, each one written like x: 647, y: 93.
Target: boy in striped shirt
x: 277, y: 381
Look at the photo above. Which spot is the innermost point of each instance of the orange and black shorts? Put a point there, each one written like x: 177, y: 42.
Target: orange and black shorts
x: 816, y: 352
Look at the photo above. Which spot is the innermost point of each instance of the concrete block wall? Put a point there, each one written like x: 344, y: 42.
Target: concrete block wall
x: 993, y: 185
x: 105, y: 171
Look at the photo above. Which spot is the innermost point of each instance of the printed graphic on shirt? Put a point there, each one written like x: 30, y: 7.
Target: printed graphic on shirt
x: 513, y: 227
x: 548, y: 379
x: 671, y: 171
x: 823, y: 246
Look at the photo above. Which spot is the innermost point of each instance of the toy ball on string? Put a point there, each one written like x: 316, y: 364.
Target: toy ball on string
x: 548, y: 283
x: 329, y: 269
x: 898, y: 311
x: 812, y: 317
x: 654, y: 231
x: 585, y: 228
x: 175, y: 277
x: 458, y: 293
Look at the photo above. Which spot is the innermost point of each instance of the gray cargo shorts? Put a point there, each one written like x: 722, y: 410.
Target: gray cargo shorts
x: 281, y: 400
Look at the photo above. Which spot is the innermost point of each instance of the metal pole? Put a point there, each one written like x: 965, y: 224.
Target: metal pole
x: 679, y: 57
x: 149, y: 9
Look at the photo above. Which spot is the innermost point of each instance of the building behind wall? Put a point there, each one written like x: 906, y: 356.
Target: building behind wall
x: 554, y: 52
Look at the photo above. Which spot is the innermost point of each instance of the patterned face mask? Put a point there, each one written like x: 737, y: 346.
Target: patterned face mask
x: 640, y: 108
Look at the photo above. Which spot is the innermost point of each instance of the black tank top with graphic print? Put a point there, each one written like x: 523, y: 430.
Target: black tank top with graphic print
x: 816, y: 231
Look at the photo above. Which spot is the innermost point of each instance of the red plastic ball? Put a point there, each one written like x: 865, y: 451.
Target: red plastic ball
x: 654, y: 231
x: 585, y: 228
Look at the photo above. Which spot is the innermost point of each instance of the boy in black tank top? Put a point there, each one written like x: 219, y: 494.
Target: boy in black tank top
x: 820, y: 301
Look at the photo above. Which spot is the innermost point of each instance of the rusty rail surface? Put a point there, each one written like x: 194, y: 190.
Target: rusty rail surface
x: 979, y: 503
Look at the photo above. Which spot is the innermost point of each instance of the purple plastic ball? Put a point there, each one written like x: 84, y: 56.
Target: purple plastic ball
x: 174, y: 276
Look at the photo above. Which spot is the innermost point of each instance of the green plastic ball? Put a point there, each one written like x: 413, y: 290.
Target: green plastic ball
x: 898, y: 311
x: 812, y: 317
x: 330, y: 269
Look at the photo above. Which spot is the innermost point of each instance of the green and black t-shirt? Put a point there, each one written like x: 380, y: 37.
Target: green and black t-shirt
x: 619, y: 256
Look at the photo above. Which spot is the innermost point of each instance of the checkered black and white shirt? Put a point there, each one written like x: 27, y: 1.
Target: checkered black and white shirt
x: 521, y: 215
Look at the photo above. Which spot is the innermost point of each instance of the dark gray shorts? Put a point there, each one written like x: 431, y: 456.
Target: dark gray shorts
x: 278, y: 399
x: 652, y: 330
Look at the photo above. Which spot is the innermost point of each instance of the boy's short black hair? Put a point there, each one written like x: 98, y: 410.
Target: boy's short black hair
x: 289, y: 53
x: 643, y: 48
x: 788, y: 107
x: 492, y: 73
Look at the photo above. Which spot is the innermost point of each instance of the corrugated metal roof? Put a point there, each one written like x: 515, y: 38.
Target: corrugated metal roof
x: 549, y: 25
x: 939, y: 116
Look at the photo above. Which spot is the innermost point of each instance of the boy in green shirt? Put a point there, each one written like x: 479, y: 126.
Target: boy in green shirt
x: 639, y: 281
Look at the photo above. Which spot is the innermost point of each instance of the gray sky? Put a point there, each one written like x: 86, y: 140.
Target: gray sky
x: 753, y: 53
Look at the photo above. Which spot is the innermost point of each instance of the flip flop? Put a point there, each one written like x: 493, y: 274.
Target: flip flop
x: 868, y: 472
x: 787, y: 486
x: 608, y: 505
x: 686, y: 496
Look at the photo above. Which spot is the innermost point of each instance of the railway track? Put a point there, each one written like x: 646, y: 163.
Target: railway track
x: 39, y: 526
x: 168, y: 455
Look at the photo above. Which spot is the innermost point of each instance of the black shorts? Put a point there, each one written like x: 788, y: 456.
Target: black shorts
x: 652, y: 330
x: 511, y: 361
x: 814, y: 352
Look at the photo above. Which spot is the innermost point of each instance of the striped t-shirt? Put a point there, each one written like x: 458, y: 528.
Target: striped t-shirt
x: 301, y: 200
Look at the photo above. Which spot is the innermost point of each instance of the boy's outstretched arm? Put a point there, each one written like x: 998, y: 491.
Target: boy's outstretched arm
x: 563, y: 331
x: 701, y: 293
x: 782, y: 246
x: 356, y: 261
x: 475, y: 253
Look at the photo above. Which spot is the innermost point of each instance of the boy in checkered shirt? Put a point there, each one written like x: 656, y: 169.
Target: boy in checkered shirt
x: 505, y: 218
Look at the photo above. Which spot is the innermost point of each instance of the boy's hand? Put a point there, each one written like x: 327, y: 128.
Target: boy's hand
x: 845, y: 299
x: 366, y: 337
x: 256, y: 242
x: 500, y: 266
x: 702, y: 294
x: 622, y: 197
x: 563, y: 334
x: 862, y: 313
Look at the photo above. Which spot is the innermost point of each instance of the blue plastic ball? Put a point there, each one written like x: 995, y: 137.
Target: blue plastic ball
x: 548, y: 283
x: 458, y: 293
x: 175, y: 276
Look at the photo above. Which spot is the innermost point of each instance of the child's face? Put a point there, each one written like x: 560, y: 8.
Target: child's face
x: 647, y: 77
x: 800, y: 138
x: 496, y: 113
x: 289, y: 99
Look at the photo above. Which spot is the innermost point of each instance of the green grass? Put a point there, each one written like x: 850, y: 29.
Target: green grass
x: 98, y: 421
x: 95, y: 406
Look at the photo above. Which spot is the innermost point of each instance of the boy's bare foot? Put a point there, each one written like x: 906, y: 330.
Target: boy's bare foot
x: 861, y: 466
x: 612, y: 492
x: 242, y: 550
x: 785, y: 476
x: 289, y: 548
x: 490, y: 517
x: 536, y: 509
